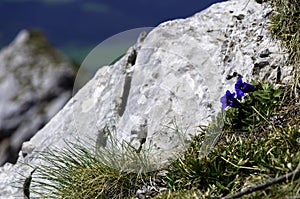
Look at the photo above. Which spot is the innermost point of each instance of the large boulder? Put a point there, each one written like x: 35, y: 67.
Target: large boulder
x: 172, y: 78
x: 35, y: 82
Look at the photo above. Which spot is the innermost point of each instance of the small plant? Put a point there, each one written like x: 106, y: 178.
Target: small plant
x: 241, y: 88
x: 236, y: 162
x: 250, y: 111
x: 77, y: 172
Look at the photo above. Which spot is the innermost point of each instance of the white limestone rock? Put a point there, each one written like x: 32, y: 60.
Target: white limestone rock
x: 35, y: 82
x: 177, y: 73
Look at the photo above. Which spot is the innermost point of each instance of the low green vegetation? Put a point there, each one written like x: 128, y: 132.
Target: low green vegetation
x: 260, y: 141
x: 258, y: 144
x: 77, y: 172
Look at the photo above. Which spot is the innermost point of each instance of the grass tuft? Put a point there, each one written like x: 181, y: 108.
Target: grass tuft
x: 77, y: 172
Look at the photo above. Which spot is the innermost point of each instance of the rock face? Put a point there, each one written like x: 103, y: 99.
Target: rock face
x: 35, y: 82
x: 173, y: 77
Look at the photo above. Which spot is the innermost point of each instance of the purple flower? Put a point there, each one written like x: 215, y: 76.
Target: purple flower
x: 243, y: 87
x: 229, y: 100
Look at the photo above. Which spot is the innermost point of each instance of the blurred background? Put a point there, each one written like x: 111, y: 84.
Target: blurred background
x: 77, y: 26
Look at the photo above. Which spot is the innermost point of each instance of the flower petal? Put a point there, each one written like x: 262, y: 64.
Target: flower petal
x: 248, y: 88
x: 223, y: 99
x: 224, y: 106
x: 239, y: 93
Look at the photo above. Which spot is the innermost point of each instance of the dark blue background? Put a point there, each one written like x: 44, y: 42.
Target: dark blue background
x: 78, y: 25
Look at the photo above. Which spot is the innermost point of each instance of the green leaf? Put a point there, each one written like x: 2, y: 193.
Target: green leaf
x: 265, y: 86
x: 220, y: 185
x: 277, y: 93
x: 263, y: 96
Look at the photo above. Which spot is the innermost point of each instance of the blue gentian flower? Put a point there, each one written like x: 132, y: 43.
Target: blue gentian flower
x: 229, y: 100
x: 243, y: 87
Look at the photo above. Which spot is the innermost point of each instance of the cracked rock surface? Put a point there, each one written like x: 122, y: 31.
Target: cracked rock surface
x: 174, y: 77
